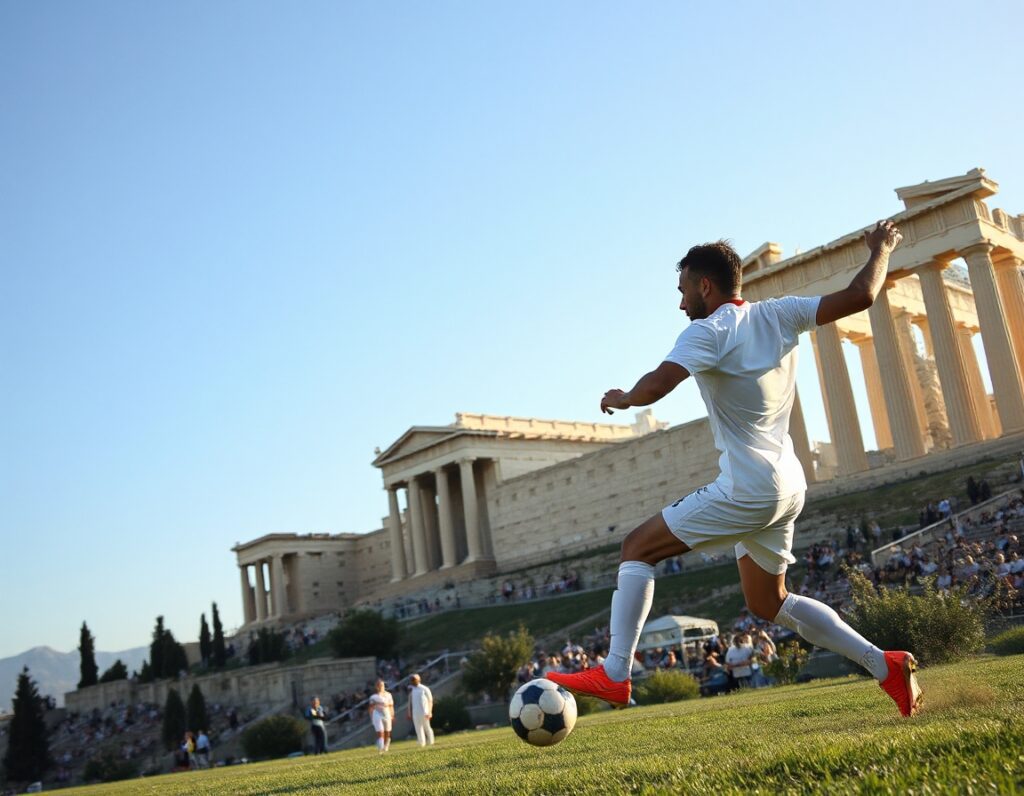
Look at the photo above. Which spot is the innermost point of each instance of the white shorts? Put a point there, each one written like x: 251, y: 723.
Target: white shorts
x: 381, y: 721
x: 709, y: 521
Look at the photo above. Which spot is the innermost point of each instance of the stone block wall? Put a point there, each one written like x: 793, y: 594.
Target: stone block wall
x: 255, y: 687
x: 593, y: 499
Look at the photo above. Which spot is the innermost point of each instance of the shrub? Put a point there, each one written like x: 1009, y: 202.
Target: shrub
x: 936, y: 627
x: 364, y: 632
x: 450, y: 715
x: 667, y: 685
x: 275, y: 736
x: 117, y: 671
x: 1010, y: 642
x: 267, y: 646
x: 791, y: 658
x: 492, y: 669
x: 108, y: 767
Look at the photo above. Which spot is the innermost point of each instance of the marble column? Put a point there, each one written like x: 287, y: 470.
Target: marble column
x: 248, y: 598
x: 909, y: 355
x: 430, y: 529
x: 444, y: 516
x: 873, y: 386
x: 798, y: 433
x: 844, y: 427
x: 474, y: 544
x: 1011, y: 291
x: 419, y: 535
x: 261, y: 593
x: 897, y: 388
x: 277, y: 587
x: 979, y: 395
x: 398, y: 567
x: 963, y: 422
x: 995, y: 336
x: 921, y: 322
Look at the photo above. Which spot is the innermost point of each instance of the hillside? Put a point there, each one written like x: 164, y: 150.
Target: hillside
x: 57, y: 672
x: 836, y: 736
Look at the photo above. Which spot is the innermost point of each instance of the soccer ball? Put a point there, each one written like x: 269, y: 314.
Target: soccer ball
x: 542, y: 713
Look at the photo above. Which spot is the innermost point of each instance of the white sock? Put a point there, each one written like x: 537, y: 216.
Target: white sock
x: 823, y: 627
x: 631, y: 602
x: 380, y: 744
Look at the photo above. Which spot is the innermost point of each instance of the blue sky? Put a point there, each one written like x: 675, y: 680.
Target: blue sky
x: 242, y: 244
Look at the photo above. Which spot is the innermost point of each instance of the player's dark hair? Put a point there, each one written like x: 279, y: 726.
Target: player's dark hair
x: 719, y: 262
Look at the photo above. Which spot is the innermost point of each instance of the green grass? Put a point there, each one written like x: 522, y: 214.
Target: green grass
x: 462, y: 629
x: 835, y: 736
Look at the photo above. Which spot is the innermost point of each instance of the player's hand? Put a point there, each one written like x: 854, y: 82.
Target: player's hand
x: 614, y: 399
x: 885, y: 237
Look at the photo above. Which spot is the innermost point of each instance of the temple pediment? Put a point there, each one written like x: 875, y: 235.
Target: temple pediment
x: 415, y: 439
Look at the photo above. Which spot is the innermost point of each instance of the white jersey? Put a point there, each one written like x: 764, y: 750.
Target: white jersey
x: 382, y: 703
x: 421, y: 700
x: 743, y: 358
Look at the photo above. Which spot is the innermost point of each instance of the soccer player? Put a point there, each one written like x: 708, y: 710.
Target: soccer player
x: 743, y: 358
x: 382, y: 713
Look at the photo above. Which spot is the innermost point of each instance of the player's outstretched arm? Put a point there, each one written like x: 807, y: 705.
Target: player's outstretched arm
x: 652, y: 387
x: 864, y: 288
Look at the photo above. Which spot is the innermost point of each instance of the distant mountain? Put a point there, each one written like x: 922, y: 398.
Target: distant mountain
x: 57, y: 672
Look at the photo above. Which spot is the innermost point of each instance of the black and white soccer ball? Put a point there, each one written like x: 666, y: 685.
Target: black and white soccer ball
x: 542, y: 713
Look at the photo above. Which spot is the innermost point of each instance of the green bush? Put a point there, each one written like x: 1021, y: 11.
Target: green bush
x: 275, y: 736
x: 936, y: 627
x: 667, y: 685
x: 1009, y: 643
x: 108, y: 767
x: 791, y: 658
x: 492, y: 669
x: 450, y: 715
x: 364, y: 632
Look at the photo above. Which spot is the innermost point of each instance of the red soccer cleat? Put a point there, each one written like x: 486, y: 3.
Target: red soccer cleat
x: 594, y: 682
x: 901, y: 684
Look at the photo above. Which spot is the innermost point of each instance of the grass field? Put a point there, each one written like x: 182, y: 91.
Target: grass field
x: 834, y: 736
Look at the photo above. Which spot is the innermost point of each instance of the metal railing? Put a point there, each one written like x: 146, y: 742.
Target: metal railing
x: 441, y: 668
x: 937, y: 530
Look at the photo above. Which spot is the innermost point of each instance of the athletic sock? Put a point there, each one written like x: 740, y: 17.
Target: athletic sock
x: 823, y: 627
x: 631, y: 602
x: 380, y: 744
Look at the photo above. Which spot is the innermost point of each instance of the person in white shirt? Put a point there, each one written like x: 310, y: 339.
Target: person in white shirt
x: 421, y: 710
x: 382, y: 712
x: 738, y: 661
x: 743, y: 357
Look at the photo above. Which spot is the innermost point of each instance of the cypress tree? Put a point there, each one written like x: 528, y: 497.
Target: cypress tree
x: 197, y: 718
x: 156, y: 650
x: 28, y: 751
x: 173, y: 656
x: 87, y: 651
x: 173, y: 729
x: 205, y: 645
x: 220, y: 656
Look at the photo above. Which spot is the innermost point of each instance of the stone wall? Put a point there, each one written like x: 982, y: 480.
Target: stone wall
x: 593, y: 499
x: 254, y: 686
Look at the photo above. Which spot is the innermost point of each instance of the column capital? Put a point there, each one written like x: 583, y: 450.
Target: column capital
x: 984, y: 247
x: 467, y: 460
x: 1005, y: 260
x: 931, y: 265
